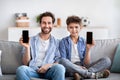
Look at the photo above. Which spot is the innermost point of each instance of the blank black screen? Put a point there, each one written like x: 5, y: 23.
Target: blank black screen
x: 89, y: 37
x: 25, y: 35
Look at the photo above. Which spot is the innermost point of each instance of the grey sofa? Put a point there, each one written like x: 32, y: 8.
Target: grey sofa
x: 11, y: 57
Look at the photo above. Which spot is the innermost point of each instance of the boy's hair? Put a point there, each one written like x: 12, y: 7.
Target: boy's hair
x: 45, y: 14
x: 73, y: 19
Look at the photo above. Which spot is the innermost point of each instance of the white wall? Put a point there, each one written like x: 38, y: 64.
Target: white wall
x: 101, y: 12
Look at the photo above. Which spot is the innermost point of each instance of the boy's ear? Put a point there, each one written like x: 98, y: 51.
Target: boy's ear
x: 67, y: 28
x: 81, y: 26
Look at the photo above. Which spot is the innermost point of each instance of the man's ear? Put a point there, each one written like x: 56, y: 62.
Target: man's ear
x: 39, y: 24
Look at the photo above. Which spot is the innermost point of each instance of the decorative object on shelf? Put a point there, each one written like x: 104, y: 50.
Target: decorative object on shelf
x: 22, y: 20
x: 58, y: 22
x: 85, y: 21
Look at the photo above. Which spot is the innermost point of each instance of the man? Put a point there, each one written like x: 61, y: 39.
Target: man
x: 75, y: 54
x: 40, y: 55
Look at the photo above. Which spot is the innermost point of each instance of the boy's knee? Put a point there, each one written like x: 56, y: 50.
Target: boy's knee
x: 107, y: 60
x: 62, y: 60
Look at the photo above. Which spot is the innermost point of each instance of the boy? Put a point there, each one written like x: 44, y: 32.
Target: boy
x: 75, y: 53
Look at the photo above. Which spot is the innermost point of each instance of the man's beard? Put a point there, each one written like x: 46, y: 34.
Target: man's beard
x: 46, y: 32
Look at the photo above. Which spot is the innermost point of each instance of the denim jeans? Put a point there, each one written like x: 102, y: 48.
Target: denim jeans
x: 99, y: 65
x: 56, y: 72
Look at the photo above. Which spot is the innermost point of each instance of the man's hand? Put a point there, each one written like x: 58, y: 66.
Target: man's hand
x: 26, y: 45
x: 44, y: 68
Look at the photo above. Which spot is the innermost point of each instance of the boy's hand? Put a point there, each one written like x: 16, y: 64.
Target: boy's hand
x: 88, y: 46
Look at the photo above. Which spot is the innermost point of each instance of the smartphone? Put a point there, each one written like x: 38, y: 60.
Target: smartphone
x: 89, y: 37
x: 25, y: 35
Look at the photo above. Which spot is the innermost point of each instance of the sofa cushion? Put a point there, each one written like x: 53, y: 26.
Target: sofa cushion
x: 8, y: 77
x: 102, y: 48
x: 11, y: 57
x: 116, y: 62
x: 0, y: 63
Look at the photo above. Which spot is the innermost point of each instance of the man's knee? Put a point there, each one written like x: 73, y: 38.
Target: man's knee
x: 59, y: 68
x: 21, y: 69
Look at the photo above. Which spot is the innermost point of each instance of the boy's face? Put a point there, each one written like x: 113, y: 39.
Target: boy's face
x: 74, y: 29
x: 46, y: 25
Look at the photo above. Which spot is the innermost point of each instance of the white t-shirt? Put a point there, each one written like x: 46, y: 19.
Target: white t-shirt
x: 74, y: 53
x: 42, y: 50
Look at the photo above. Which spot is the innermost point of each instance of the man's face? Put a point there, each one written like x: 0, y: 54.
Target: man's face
x: 46, y: 25
x: 74, y: 29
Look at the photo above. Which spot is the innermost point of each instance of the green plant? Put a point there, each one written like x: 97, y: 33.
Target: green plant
x: 38, y: 19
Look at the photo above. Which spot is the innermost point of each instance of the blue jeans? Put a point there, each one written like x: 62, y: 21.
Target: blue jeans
x: 99, y: 65
x: 56, y: 72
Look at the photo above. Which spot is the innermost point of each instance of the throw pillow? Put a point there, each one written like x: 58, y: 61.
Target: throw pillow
x: 0, y: 63
x: 116, y: 61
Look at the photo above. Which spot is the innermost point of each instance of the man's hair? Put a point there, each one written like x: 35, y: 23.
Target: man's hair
x: 73, y: 19
x: 45, y: 14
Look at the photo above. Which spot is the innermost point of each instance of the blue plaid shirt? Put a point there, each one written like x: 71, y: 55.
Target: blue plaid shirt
x: 65, y: 48
x: 52, y: 54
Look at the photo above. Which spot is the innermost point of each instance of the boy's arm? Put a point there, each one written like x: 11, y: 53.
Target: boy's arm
x: 87, y: 55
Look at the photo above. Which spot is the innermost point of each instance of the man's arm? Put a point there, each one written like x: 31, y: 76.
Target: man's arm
x: 26, y: 56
